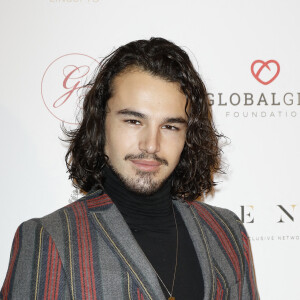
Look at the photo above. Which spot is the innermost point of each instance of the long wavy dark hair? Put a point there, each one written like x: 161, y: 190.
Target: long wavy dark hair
x: 201, y: 155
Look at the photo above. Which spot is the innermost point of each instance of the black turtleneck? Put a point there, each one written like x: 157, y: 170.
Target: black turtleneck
x: 151, y: 220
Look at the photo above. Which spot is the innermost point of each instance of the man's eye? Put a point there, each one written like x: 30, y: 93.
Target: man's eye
x: 133, y: 122
x: 170, y: 127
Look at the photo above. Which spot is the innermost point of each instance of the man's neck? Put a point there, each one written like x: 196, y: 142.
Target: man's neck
x: 138, y: 208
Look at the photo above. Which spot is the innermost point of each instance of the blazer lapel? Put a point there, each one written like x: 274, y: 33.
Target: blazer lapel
x: 112, y: 226
x: 200, y: 241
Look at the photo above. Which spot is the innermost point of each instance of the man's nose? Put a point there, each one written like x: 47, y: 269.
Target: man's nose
x: 150, y: 140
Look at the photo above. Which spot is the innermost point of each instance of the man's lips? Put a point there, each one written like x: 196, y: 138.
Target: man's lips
x: 146, y: 165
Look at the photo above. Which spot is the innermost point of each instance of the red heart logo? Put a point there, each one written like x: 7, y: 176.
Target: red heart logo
x: 272, y: 72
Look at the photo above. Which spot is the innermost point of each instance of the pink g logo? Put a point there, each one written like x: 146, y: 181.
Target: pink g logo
x: 265, y: 72
x: 62, y: 85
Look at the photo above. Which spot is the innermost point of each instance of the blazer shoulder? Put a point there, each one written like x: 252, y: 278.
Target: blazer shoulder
x: 225, y: 214
x: 56, y: 223
x: 33, y: 251
x: 221, y: 220
x: 229, y: 217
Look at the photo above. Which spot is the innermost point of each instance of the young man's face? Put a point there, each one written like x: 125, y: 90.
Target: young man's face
x: 145, y: 129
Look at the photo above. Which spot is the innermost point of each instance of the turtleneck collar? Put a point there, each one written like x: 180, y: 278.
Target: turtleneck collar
x: 140, y: 210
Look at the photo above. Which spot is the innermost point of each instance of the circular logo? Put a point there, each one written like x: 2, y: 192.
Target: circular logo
x: 64, y: 84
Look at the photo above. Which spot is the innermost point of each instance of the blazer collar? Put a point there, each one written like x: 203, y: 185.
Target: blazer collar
x: 112, y: 226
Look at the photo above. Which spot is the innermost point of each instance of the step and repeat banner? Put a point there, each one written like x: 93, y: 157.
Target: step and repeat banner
x: 247, y: 53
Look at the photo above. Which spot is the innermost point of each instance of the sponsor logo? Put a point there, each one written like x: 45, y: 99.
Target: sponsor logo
x: 286, y: 214
x: 275, y: 223
x: 265, y: 72
x: 64, y: 84
x: 258, y: 104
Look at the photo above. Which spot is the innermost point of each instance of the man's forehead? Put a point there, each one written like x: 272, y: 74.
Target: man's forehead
x: 140, y: 91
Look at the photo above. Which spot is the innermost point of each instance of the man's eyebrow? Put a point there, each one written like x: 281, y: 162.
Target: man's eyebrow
x: 133, y: 113
x: 175, y: 120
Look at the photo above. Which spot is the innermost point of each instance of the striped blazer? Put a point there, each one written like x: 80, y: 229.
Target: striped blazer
x: 86, y: 251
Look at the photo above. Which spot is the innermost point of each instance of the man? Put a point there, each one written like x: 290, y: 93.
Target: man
x: 145, y: 151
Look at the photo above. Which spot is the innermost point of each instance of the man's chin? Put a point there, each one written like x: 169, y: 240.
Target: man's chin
x: 142, y: 187
x: 142, y: 182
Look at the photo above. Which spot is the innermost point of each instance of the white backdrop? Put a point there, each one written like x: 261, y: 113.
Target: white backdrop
x: 42, y: 39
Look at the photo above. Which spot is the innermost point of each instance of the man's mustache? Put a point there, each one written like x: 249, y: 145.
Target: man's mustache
x: 146, y: 156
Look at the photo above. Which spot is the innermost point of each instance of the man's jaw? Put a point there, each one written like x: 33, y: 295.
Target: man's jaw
x: 141, y: 181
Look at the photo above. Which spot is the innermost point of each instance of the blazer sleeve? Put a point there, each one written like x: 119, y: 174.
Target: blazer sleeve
x: 35, y: 269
